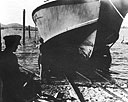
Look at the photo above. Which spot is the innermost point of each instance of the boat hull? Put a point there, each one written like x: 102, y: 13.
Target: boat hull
x: 65, y: 26
x: 63, y: 16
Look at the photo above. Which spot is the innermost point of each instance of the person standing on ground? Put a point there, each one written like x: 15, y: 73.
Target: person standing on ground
x: 10, y: 73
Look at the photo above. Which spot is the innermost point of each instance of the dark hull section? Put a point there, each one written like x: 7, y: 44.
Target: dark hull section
x: 109, y: 24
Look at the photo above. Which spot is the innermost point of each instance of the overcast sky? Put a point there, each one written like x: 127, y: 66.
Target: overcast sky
x: 11, y: 11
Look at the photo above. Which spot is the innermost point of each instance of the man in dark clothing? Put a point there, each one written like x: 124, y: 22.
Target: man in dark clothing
x: 9, y: 70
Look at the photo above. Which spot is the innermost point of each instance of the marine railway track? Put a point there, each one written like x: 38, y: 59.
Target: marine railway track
x: 77, y: 95
x: 103, y: 88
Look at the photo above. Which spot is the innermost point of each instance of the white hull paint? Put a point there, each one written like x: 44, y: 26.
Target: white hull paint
x: 55, y: 20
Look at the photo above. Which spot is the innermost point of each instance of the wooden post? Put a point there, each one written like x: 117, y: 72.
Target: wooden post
x: 0, y: 38
x: 29, y: 32
x: 24, y: 27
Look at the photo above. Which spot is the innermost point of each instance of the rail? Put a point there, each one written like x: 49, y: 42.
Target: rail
x: 76, y: 91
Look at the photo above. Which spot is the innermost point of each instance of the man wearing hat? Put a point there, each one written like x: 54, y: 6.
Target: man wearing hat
x: 12, y: 42
x: 9, y: 70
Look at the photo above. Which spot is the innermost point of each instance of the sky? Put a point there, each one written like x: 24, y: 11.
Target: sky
x: 11, y: 11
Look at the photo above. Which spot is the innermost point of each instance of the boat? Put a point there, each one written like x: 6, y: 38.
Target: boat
x: 78, y: 34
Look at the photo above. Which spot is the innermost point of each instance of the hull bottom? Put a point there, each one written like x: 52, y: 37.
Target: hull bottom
x: 61, y: 54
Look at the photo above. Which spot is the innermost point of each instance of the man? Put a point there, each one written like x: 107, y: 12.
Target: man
x: 9, y: 70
